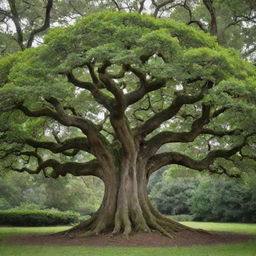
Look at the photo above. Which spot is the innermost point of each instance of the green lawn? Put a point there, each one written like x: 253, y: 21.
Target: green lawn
x: 228, y: 227
x: 239, y: 249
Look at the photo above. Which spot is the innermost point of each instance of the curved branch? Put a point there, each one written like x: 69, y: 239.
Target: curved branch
x: 144, y: 89
x: 191, y: 21
x: 111, y: 86
x: 158, y: 7
x: 162, y: 138
x: 166, y: 114
x: 101, y: 98
x: 167, y: 158
x: 98, y: 144
x: 60, y: 116
x: 78, y: 143
x: 61, y: 169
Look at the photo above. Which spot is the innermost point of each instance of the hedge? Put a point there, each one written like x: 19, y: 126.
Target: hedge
x: 17, y: 217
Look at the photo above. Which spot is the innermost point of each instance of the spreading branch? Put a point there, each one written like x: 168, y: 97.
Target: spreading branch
x: 78, y: 143
x: 101, y: 98
x: 61, y: 169
x: 154, y: 122
x: 168, y: 158
x: 152, y: 145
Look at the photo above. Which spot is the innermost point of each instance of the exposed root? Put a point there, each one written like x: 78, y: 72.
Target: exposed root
x: 162, y: 230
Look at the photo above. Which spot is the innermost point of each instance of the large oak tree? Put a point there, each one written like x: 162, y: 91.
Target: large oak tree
x: 118, y: 96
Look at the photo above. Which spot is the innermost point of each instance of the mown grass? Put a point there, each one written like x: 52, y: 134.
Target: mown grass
x: 6, y: 232
x: 225, y: 227
x: 239, y: 249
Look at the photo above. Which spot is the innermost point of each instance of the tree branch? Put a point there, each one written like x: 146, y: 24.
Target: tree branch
x: 98, y: 143
x: 78, y: 143
x: 44, y: 26
x: 144, y: 89
x: 162, y: 138
x: 166, y: 114
x: 213, y: 24
x: 158, y: 7
x: 101, y: 98
x: 16, y: 20
x: 167, y: 158
x: 61, y: 169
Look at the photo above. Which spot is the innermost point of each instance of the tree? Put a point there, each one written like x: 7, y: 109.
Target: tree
x: 104, y: 96
x: 27, y: 18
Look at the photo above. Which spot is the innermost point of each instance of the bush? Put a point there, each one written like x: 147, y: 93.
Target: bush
x: 28, y: 217
x: 172, y: 196
x: 224, y: 200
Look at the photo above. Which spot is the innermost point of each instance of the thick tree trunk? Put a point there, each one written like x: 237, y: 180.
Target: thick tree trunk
x: 126, y: 208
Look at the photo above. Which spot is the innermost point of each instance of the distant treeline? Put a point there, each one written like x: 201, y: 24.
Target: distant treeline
x: 205, y: 198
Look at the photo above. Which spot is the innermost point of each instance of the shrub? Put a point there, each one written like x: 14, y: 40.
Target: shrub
x: 172, y: 196
x: 224, y: 200
x: 26, y: 217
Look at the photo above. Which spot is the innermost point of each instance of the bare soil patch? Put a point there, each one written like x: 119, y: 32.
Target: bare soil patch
x: 183, y: 238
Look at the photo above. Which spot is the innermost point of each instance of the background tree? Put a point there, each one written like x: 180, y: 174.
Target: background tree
x: 119, y: 88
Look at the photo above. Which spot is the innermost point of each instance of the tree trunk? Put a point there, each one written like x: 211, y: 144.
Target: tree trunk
x: 125, y: 207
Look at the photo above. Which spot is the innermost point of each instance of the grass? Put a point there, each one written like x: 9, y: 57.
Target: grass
x: 238, y: 249
x: 225, y: 227
x: 6, y: 232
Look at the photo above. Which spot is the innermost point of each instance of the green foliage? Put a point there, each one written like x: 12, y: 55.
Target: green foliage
x: 37, y: 217
x: 35, y: 192
x: 173, y: 197
x: 224, y: 200
x: 180, y: 191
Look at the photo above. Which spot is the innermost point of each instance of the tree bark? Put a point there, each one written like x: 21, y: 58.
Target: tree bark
x: 125, y: 207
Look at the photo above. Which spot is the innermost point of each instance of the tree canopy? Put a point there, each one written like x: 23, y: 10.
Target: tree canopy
x: 119, y: 95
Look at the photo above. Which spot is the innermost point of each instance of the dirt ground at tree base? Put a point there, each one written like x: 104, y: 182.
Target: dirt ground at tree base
x: 183, y: 238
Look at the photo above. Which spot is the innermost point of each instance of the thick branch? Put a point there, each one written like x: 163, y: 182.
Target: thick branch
x: 97, y: 142
x: 101, y: 98
x: 167, y: 137
x: 166, y: 114
x: 164, y: 159
x: 61, y: 169
x: 144, y: 89
x: 79, y: 143
x: 111, y: 86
